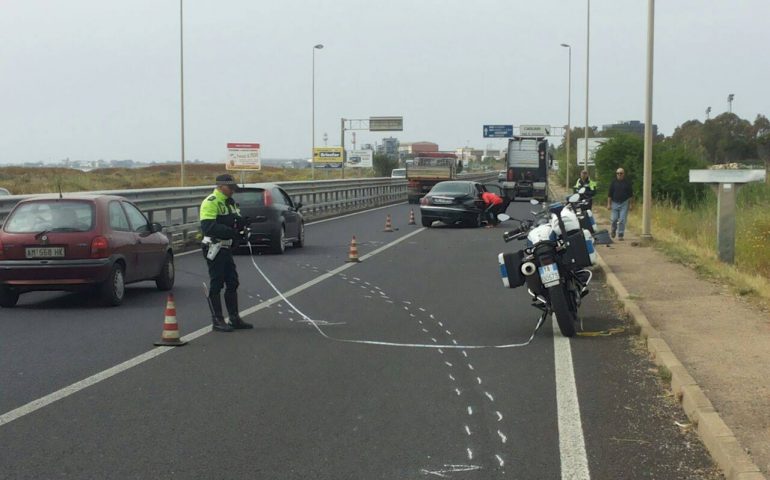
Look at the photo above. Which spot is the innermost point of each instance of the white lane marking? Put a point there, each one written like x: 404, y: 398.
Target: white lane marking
x: 406, y: 302
x: 351, y: 282
x: 372, y: 292
x: 572, y: 447
x: 41, y: 402
x: 503, y: 438
x: 354, y: 213
x: 356, y: 279
x: 434, y: 340
x: 470, y: 410
x: 468, y: 430
x: 465, y: 354
x: 422, y: 309
x: 489, y: 396
x: 368, y: 284
x: 389, y: 301
x: 412, y: 315
x: 419, y: 321
x: 478, y: 379
x: 470, y: 454
x: 440, y: 324
x: 470, y: 366
x: 424, y: 330
x: 453, y: 341
x: 500, y: 459
x: 499, y: 416
x: 432, y: 317
x: 362, y: 286
x: 406, y: 308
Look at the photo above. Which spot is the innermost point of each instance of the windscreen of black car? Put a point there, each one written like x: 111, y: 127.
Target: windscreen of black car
x: 451, y: 188
x: 51, y: 216
x: 254, y: 197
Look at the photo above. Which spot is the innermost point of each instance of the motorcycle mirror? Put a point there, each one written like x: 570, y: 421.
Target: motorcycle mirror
x: 503, y: 217
x: 573, y: 198
x: 534, y: 202
x: 582, y: 190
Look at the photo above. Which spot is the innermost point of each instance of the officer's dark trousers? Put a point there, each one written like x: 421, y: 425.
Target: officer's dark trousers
x: 222, y: 273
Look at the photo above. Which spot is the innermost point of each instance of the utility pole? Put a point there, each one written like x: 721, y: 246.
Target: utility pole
x: 647, y: 191
x: 588, y: 52
x: 708, y: 112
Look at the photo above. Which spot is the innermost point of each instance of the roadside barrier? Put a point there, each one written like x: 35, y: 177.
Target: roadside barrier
x: 170, y: 335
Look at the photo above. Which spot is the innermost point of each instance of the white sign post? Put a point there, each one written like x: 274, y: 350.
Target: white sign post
x: 359, y: 159
x: 593, y: 145
x: 243, y: 156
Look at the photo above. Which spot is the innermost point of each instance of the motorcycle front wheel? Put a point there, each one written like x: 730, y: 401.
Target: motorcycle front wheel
x: 566, y: 313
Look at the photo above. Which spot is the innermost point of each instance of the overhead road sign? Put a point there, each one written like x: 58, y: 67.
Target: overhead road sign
x: 386, y: 124
x: 498, y: 131
x: 359, y: 159
x: 327, y: 157
x: 243, y: 156
x: 534, y: 130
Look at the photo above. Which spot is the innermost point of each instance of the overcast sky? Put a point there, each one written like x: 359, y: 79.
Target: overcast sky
x: 91, y: 79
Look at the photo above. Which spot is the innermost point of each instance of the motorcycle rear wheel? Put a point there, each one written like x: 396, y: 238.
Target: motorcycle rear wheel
x: 566, y: 314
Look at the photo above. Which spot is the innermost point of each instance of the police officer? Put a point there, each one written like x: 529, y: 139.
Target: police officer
x: 220, y: 219
x: 590, y: 186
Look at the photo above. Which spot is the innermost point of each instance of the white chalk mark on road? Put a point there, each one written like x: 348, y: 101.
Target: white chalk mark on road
x: 503, y: 438
x: 489, y: 396
x: 499, y: 416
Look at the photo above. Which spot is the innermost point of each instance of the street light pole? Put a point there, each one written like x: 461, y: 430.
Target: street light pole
x: 181, y: 85
x: 730, y: 102
x: 588, y: 54
x: 312, y: 151
x: 647, y: 193
x: 569, y: 106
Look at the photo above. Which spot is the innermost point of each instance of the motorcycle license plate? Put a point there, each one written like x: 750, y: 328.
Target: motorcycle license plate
x: 549, y: 275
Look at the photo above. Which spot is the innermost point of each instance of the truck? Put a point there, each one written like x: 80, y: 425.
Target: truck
x: 526, y: 168
x: 426, y: 170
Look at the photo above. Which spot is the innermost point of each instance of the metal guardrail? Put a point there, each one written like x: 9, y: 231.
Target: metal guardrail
x: 177, y: 208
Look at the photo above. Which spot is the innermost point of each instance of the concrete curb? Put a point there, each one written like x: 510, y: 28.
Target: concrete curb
x: 713, y: 432
x: 719, y: 440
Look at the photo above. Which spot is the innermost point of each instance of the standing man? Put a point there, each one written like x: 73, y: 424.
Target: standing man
x: 619, y: 200
x: 590, y: 186
x: 219, y: 217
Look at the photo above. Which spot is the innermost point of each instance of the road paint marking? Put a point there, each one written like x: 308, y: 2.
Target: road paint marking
x: 478, y: 379
x: 470, y: 410
x: 406, y: 308
x: 442, y: 473
x: 470, y: 454
x: 448, y: 332
x: 489, y: 396
x: 467, y: 430
x: 451, y: 377
x: 351, y: 282
x: 470, y: 366
x: 368, y: 284
x: 412, y: 315
x: 367, y: 296
x: 499, y: 416
x: 441, y: 351
x: 406, y: 302
x: 389, y: 301
x: 465, y: 354
x: 431, y: 316
x: 499, y: 459
x: 572, y: 447
x: 440, y: 324
x: 503, y: 438
x: 372, y: 292
x: 362, y: 286
x: 420, y: 321
x: 454, y: 341
x: 458, y: 391
x: 424, y: 330
x: 448, y: 364
x: 356, y: 279
x: 422, y: 309
x: 434, y: 340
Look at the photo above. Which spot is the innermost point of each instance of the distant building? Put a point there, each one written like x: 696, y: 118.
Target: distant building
x: 413, y: 148
x: 389, y: 147
x: 634, y: 127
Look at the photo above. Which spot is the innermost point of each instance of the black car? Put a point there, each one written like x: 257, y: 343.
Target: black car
x: 274, y: 218
x: 455, y: 202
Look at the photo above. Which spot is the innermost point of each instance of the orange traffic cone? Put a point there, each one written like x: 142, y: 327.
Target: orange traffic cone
x: 353, y: 253
x: 170, y: 336
x: 388, y: 225
x: 411, y: 218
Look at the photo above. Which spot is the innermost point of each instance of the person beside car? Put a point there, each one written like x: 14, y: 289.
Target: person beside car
x: 494, y: 205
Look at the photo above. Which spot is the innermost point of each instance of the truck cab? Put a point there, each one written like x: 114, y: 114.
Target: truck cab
x: 526, y: 168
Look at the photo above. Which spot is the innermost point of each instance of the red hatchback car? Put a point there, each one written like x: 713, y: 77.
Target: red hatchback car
x: 80, y: 242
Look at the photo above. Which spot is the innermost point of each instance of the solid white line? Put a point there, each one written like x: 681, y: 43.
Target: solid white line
x: 139, y: 359
x: 572, y: 447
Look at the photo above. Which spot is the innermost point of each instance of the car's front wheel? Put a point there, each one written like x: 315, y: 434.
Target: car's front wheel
x: 114, y: 288
x: 165, y: 281
x: 8, y: 297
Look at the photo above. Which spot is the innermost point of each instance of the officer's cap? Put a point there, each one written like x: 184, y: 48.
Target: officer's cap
x: 227, y: 179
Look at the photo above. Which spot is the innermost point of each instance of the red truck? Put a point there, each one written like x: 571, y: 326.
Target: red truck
x: 428, y: 169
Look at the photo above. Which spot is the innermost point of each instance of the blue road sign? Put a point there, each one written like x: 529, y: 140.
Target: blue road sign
x: 498, y: 131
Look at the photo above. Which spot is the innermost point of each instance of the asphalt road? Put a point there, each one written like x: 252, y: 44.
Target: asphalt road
x: 283, y: 402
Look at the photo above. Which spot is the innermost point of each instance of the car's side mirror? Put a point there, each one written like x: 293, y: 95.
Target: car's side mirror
x: 156, y: 227
x: 298, y: 205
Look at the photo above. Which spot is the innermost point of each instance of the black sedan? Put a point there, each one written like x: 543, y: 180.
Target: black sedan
x: 274, y: 218
x: 455, y: 202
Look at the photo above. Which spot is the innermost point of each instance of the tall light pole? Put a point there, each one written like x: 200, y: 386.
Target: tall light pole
x: 569, y: 106
x: 312, y: 151
x: 181, y: 85
x: 588, y: 54
x: 730, y: 102
x: 647, y: 190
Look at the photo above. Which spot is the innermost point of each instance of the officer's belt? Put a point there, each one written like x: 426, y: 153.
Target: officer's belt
x: 222, y: 243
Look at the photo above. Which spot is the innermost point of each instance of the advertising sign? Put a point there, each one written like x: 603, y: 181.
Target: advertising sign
x: 386, y: 124
x: 498, y: 131
x: 534, y: 130
x: 327, y: 157
x: 243, y: 156
x: 593, y: 145
x: 359, y: 159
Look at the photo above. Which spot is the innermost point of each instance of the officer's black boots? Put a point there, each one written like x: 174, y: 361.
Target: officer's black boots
x: 231, y: 301
x: 219, y: 325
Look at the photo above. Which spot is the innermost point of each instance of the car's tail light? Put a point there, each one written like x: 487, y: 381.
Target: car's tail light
x: 268, y: 198
x: 425, y: 200
x: 2, y: 250
x: 99, y: 247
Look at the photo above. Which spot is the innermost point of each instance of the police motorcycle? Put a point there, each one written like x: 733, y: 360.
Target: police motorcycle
x: 554, y: 264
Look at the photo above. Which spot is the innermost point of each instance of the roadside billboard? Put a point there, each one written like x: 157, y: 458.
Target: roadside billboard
x: 359, y: 159
x: 327, y: 157
x: 243, y: 156
x: 593, y: 145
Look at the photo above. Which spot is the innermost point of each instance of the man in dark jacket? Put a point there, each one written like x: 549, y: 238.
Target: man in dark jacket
x: 619, y: 201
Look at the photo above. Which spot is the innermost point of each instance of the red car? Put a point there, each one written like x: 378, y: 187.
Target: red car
x: 79, y: 242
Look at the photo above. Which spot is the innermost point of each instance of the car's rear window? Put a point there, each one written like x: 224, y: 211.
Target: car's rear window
x: 251, y: 198
x: 51, y: 216
x: 451, y: 188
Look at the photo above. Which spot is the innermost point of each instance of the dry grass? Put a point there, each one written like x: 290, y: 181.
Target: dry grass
x: 21, y: 180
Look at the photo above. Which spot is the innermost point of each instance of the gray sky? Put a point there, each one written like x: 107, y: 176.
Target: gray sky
x: 90, y: 79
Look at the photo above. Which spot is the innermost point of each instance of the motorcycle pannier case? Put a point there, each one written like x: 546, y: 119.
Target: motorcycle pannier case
x: 576, y: 255
x: 510, y: 269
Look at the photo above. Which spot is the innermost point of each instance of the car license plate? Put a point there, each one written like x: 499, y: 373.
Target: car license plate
x: 549, y: 275
x: 442, y: 201
x: 45, y: 252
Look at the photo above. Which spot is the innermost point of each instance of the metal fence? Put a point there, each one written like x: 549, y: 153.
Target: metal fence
x: 177, y: 208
